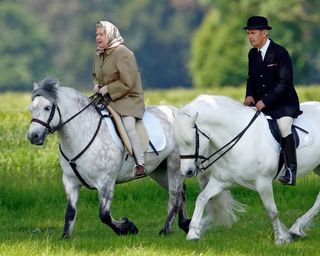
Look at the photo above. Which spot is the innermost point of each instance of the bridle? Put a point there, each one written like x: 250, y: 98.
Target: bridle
x: 201, y: 167
x: 94, y: 98
x: 47, y: 123
x: 196, y: 155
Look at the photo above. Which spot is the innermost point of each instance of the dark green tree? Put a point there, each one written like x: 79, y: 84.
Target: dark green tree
x: 220, y: 46
x: 24, y: 47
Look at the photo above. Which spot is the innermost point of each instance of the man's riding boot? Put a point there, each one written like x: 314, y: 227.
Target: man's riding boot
x: 290, y: 161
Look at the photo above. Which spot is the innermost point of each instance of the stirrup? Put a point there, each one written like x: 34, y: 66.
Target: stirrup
x: 285, y: 180
x: 139, y: 171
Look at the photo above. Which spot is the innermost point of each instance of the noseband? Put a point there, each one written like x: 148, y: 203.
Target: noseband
x: 196, y: 155
x: 47, y: 124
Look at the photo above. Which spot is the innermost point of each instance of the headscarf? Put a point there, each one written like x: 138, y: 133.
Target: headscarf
x: 113, y: 36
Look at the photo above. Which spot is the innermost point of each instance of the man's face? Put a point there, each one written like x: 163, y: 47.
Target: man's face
x: 257, y: 38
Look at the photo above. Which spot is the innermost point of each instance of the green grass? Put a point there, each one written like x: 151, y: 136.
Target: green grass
x: 32, y: 201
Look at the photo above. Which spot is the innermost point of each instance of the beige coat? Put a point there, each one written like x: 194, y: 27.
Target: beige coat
x: 117, y: 68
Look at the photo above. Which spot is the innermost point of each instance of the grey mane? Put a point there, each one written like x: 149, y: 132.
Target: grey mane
x: 47, y: 88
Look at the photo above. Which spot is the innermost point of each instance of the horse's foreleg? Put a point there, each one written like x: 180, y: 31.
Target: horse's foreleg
x: 264, y: 188
x: 72, y: 192
x: 121, y: 227
x: 297, y: 229
x: 212, y: 189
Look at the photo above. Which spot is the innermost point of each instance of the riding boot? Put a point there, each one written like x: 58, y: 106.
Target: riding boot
x: 289, y: 177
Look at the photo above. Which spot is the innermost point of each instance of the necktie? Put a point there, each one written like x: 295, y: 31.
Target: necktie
x: 260, y: 56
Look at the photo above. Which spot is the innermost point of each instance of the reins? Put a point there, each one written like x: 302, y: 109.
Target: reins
x: 94, y: 98
x: 231, y: 144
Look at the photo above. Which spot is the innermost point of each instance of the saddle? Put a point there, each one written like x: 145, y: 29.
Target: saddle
x: 274, y: 129
x: 296, y: 131
x: 149, y: 131
x: 140, y: 128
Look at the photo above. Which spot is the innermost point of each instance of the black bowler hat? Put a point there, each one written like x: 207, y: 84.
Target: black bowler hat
x: 257, y: 22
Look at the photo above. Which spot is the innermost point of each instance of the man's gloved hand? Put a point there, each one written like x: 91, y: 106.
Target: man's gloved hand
x: 249, y: 101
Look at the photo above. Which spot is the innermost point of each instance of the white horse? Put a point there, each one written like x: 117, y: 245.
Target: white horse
x: 207, y: 124
x: 96, y: 160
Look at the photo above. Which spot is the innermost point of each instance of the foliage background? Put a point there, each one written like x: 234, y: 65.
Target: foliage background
x: 178, y: 43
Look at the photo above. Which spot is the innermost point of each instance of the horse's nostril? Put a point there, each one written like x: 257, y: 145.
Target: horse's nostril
x: 35, y: 136
x: 189, y: 173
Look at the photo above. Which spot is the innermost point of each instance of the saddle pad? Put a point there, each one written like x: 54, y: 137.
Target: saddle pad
x: 305, y: 139
x: 153, y: 127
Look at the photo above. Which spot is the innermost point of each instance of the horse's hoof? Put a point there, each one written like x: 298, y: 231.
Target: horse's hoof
x: 192, y: 235
x: 65, y: 236
x: 184, y: 225
x: 284, y: 241
x: 127, y: 227
x: 296, y: 236
x: 163, y: 232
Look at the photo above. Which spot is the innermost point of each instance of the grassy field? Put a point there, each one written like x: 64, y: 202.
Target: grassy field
x: 32, y: 200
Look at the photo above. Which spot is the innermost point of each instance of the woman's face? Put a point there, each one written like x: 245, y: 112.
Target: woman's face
x: 101, y: 39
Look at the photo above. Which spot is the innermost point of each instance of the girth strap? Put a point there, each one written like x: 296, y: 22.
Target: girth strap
x: 72, y: 161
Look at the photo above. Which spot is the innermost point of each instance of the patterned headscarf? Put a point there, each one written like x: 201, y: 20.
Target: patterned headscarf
x: 113, y: 35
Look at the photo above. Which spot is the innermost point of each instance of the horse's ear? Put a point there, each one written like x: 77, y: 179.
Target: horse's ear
x: 35, y: 86
x: 194, y: 118
x: 57, y: 83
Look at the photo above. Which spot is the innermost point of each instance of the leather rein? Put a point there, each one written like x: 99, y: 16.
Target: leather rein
x: 228, y: 146
x: 93, y: 99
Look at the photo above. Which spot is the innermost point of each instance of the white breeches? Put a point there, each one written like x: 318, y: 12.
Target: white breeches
x: 285, y: 124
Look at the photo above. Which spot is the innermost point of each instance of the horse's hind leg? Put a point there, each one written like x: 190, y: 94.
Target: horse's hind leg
x: 121, y: 227
x: 264, y: 188
x: 72, y: 192
x: 297, y: 229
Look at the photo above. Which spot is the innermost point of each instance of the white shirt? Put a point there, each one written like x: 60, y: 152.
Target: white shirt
x: 264, y: 49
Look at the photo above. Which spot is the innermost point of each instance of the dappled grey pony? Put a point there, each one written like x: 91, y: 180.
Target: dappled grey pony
x: 206, y: 125
x: 89, y: 154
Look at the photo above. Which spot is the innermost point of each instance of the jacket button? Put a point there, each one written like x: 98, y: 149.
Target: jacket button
x: 265, y: 94
x: 263, y: 85
x: 261, y: 75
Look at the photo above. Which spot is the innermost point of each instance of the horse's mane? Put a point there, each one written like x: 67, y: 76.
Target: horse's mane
x: 206, y: 104
x: 47, y: 88
x: 208, y: 108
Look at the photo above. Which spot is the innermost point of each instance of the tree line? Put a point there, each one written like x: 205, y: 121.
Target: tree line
x: 178, y: 43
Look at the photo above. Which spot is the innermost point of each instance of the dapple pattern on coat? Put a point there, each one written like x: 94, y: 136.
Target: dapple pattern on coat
x: 101, y: 163
x: 251, y: 163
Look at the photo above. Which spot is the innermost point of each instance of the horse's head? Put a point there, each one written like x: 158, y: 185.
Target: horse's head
x: 45, y: 113
x: 193, y: 143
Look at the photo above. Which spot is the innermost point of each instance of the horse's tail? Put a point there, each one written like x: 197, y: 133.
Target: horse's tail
x: 222, y: 210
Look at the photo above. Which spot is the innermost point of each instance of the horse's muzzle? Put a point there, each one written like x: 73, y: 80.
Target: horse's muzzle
x: 37, y: 138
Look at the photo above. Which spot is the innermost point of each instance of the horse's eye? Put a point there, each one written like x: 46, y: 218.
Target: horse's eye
x: 47, y: 108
